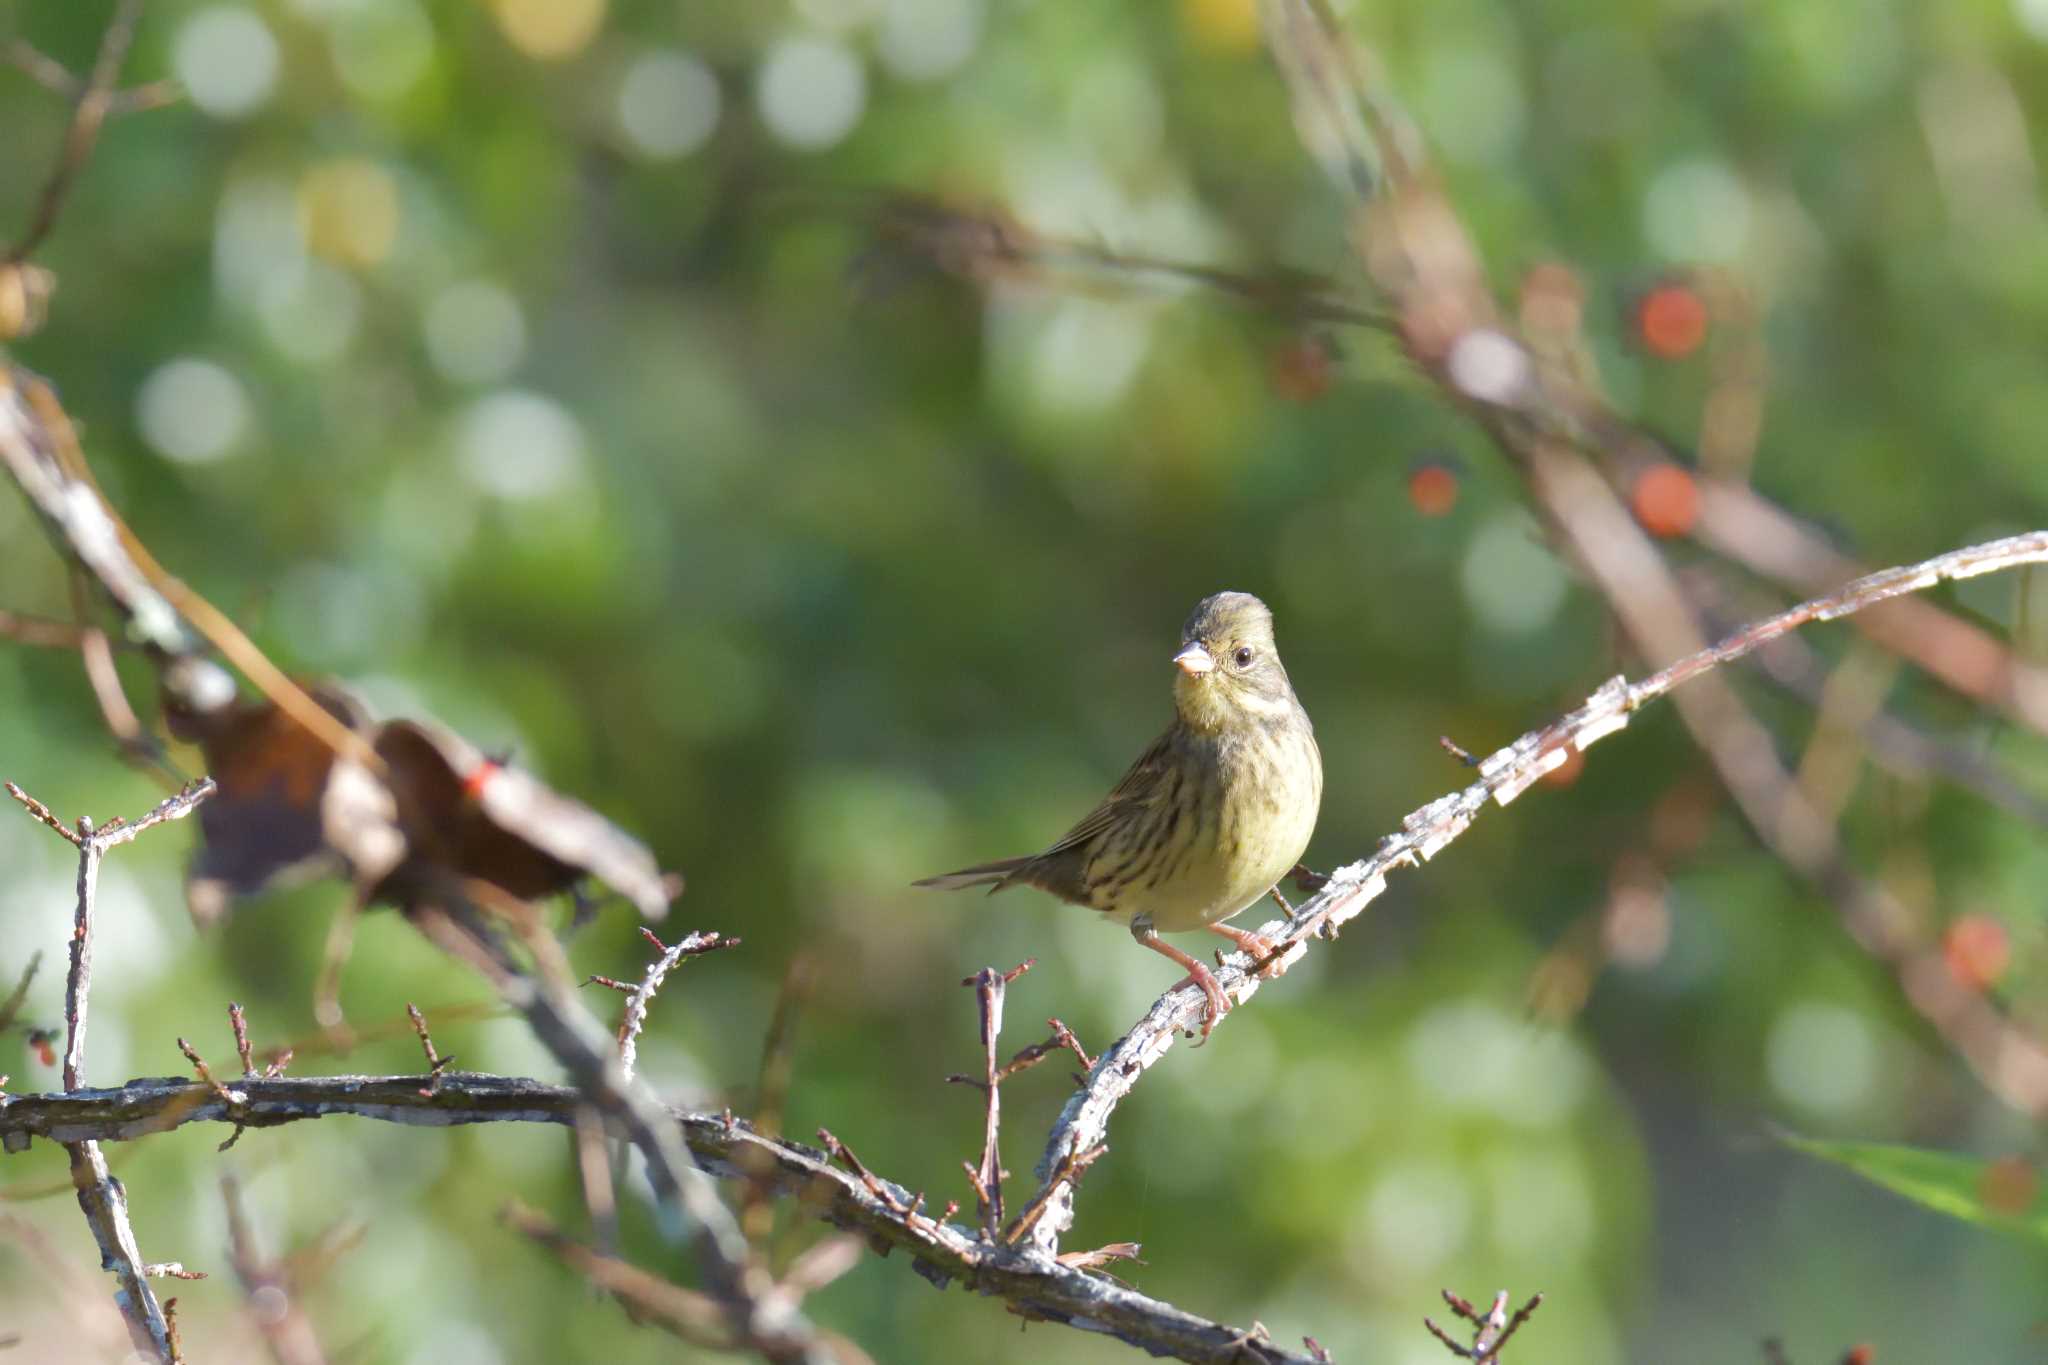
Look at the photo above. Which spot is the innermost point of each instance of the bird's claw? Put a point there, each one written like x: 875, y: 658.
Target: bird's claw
x: 1215, y: 1005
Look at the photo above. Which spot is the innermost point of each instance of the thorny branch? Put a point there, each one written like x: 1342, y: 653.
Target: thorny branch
x: 987, y: 1177
x: 1490, y: 1330
x: 1035, y: 1284
x: 639, y: 997
x: 759, y: 1312
x: 100, y: 1196
x: 1026, y: 1273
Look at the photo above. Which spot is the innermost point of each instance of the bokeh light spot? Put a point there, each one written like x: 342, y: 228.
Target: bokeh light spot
x: 926, y: 40
x: 549, y: 29
x: 1470, y: 1054
x: 1822, y: 1057
x: 348, y: 209
x: 192, y: 411
x: 811, y: 92
x: 475, y: 332
x: 1513, y: 585
x: 518, y: 445
x: 256, y: 238
x: 226, y: 59
x: 311, y: 314
x: 1472, y: 102
x: 1417, y: 1216
x: 1697, y: 211
x: 1222, y: 25
x: 840, y: 16
x: 1541, y: 1203
x: 668, y: 104
x: 381, y: 47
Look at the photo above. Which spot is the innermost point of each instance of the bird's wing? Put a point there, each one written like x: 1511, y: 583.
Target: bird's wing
x: 1139, y: 788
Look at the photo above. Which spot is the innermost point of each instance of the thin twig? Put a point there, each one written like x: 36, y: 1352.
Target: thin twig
x: 273, y: 1297
x: 436, y: 1063
x: 760, y: 1314
x: 90, y: 110
x: 987, y: 1178
x: 100, y: 1196
x: 986, y: 244
x: 10, y: 1008
x: 638, y: 998
x: 771, y: 1088
x: 40, y: 631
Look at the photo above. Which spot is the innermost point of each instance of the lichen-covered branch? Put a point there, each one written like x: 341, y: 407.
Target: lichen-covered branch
x: 2011, y: 1062
x: 101, y: 1197
x: 1031, y: 1281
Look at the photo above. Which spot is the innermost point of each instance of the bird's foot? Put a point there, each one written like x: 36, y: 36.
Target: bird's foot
x: 1264, y: 953
x: 1217, y: 1004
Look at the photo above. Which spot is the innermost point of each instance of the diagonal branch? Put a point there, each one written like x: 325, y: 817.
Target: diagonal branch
x: 760, y: 1313
x: 2011, y: 1063
x: 1539, y: 409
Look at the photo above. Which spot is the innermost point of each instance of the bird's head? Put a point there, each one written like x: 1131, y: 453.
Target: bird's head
x: 1228, y: 668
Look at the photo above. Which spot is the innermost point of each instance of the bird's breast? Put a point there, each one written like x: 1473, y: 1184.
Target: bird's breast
x: 1233, y: 823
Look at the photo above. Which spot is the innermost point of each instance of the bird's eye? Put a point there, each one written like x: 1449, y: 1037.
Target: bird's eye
x: 1243, y: 656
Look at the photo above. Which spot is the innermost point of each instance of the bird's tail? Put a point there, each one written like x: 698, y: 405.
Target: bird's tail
x: 995, y: 876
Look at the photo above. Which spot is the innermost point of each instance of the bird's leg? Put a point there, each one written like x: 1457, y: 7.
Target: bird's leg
x: 1264, y: 953
x: 1218, y: 1003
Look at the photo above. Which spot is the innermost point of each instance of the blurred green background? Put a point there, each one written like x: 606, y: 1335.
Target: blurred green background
x: 532, y: 364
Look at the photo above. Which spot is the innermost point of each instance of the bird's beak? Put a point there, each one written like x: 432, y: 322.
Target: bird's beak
x: 1195, y: 660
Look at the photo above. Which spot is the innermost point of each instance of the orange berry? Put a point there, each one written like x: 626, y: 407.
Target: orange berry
x: 1977, y: 949
x: 1433, y: 488
x: 1672, y: 321
x: 1666, y: 500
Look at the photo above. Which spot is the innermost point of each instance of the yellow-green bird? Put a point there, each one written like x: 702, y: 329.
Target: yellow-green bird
x: 1210, y: 818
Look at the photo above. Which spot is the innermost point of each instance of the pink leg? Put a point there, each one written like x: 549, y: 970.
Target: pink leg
x: 1264, y: 953
x: 1219, y: 1003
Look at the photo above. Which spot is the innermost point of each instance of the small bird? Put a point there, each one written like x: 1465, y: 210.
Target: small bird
x: 1210, y: 818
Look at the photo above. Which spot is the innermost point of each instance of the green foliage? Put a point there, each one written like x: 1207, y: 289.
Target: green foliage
x: 2005, y: 1194
x: 821, y: 570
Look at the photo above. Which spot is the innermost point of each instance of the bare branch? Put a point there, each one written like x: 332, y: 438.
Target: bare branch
x: 2015, y: 1065
x: 987, y: 1178
x: 1542, y: 413
x: 638, y: 998
x: 100, y: 1196
x: 1038, y: 1285
x: 273, y: 1298
x: 94, y: 102
x: 759, y: 1312
x: 10, y: 1008
x: 987, y: 245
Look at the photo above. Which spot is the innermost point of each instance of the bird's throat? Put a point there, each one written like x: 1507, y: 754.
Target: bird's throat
x: 1201, y: 704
